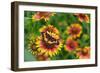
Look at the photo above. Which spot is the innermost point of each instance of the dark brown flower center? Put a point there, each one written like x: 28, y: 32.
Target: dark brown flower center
x: 71, y: 45
x: 74, y: 30
x: 33, y: 47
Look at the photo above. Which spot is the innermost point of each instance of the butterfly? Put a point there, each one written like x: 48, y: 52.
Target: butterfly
x: 50, y: 38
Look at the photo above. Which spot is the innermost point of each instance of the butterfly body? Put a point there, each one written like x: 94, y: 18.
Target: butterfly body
x: 50, y: 38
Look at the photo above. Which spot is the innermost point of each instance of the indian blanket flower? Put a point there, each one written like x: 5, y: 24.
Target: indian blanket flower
x: 74, y: 30
x: 84, y: 53
x: 83, y: 17
x: 42, y: 15
x: 71, y: 44
x: 41, y: 57
x: 49, y: 42
x: 32, y: 46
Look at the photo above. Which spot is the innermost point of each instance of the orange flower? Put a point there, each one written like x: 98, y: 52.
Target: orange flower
x: 83, y: 18
x: 42, y: 15
x: 42, y: 57
x: 84, y: 53
x: 71, y: 44
x: 49, y: 42
x: 74, y: 30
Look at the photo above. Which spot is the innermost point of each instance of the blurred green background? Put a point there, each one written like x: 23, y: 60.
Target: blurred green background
x: 61, y: 21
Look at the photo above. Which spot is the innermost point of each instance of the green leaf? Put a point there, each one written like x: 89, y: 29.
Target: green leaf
x: 71, y: 56
x: 28, y: 56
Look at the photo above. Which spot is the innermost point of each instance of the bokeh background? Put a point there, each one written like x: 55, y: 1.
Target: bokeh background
x: 61, y: 21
